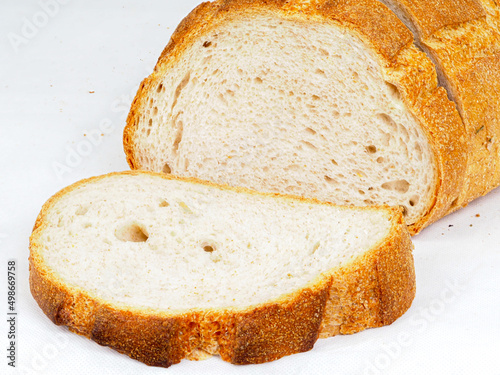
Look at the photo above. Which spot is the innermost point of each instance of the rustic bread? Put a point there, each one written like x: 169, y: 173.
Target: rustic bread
x: 323, y: 99
x: 462, y: 38
x: 163, y: 268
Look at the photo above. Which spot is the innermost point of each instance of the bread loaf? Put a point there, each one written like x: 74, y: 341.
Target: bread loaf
x: 329, y: 99
x: 163, y: 268
x: 463, y: 39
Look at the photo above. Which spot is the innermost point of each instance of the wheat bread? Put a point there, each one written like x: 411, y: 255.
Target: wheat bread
x: 162, y: 268
x: 329, y: 100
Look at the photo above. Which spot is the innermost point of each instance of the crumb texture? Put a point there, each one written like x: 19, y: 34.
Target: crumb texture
x: 259, y: 103
x: 173, y: 245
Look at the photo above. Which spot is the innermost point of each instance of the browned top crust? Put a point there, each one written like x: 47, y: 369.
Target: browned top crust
x: 385, y: 32
x: 432, y: 15
x: 370, y: 291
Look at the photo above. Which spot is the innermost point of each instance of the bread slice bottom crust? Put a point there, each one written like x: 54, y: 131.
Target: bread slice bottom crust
x: 373, y: 290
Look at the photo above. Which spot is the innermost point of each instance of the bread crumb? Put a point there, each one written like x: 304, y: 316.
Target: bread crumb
x: 477, y: 215
x: 91, y: 92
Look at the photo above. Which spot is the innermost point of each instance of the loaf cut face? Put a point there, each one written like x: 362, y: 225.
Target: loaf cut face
x: 332, y: 102
x: 163, y: 268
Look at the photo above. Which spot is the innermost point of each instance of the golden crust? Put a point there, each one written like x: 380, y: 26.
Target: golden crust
x: 371, y: 291
x: 379, y: 27
x: 432, y: 15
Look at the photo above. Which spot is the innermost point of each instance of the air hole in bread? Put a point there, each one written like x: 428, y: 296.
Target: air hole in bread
x: 361, y: 192
x: 311, y: 131
x: 167, y: 169
x: 401, y: 186
x: 330, y: 180
x: 207, y: 44
x: 87, y: 225
x: 315, y: 247
x: 418, y: 150
x: 334, y: 162
x: 178, y: 138
x: 180, y: 87
x: 164, y: 203
x: 131, y: 232
x: 222, y: 99
x: 380, y: 160
x: 371, y: 149
x: 393, y: 90
x: 309, y: 145
x: 81, y: 210
x: 320, y: 72
x: 160, y: 88
x: 387, y: 120
x: 155, y: 111
x: 185, y: 207
x: 324, y: 52
x: 316, y: 97
x: 258, y: 80
x: 208, y: 247
x: 404, y: 132
x: 359, y: 173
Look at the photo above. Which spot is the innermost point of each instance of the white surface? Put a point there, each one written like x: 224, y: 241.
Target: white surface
x: 46, y: 108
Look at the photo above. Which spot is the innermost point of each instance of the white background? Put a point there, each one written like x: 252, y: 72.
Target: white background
x: 73, y: 72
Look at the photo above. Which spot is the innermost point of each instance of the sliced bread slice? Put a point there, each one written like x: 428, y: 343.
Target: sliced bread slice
x: 163, y: 268
x: 324, y: 99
